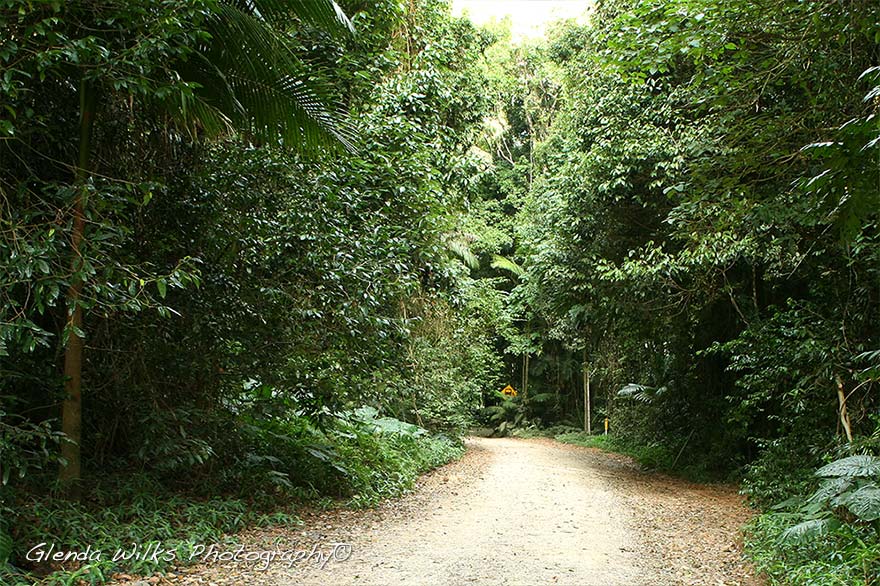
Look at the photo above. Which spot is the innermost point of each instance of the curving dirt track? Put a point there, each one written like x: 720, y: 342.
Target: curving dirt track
x: 520, y: 513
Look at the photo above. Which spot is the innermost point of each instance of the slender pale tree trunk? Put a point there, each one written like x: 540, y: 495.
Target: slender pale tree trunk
x: 71, y: 411
x: 842, y: 413
x: 587, y: 415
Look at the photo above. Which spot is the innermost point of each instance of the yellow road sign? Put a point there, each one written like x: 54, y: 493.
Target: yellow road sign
x: 509, y: 391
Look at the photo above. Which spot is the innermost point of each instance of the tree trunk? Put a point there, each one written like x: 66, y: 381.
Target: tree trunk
x: 587, y: 416
x: 559, y: 380
x: 842, y: 413
x: 71, y: 411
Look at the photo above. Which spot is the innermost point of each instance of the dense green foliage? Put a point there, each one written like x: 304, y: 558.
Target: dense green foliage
x: 674, y: 204
x: 663, y: 239
x: 695, y: 223
x: 252, y: 296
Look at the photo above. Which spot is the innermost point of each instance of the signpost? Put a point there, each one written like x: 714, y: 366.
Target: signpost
x: 509, y: 391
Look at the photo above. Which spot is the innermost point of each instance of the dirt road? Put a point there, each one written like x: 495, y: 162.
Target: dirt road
x: 523, y: 513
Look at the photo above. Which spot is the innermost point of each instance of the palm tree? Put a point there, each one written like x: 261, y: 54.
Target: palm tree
x: 245, y: 77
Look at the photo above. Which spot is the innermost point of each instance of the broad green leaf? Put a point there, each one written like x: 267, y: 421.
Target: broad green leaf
x: 862, y: 466
x: 864, y: 503
x: 808, y: 531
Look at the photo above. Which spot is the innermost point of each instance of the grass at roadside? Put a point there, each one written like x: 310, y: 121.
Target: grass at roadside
x: 651, y: 457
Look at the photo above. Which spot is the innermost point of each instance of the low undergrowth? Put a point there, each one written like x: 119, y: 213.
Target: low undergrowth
x: 829, y: 535
x: 150, y: 522
x: 133, y: 516
x: 847, y: 556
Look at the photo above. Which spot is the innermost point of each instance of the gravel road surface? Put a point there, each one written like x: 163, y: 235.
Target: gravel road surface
x: 514, y: 512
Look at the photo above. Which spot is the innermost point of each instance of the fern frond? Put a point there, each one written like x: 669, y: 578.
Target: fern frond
x: 505, y: 264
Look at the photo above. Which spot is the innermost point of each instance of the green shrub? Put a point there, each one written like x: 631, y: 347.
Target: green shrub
x: 783, y: 469
x: 384, y: 456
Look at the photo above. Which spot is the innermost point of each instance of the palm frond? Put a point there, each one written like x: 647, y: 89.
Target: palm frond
x: 642, y: 393
x: 194, y: 111
x: 461, y: 249
x: 872, y: 372
x: 249, y: 77
x: 325, y: 15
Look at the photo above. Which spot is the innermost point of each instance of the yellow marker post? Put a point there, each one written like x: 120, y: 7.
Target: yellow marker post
x: 606, y: 425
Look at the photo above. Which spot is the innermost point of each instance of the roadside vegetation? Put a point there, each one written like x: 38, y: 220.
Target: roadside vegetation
x: 356, y: 461
x: 689, y: 194
x: 229, y: 279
